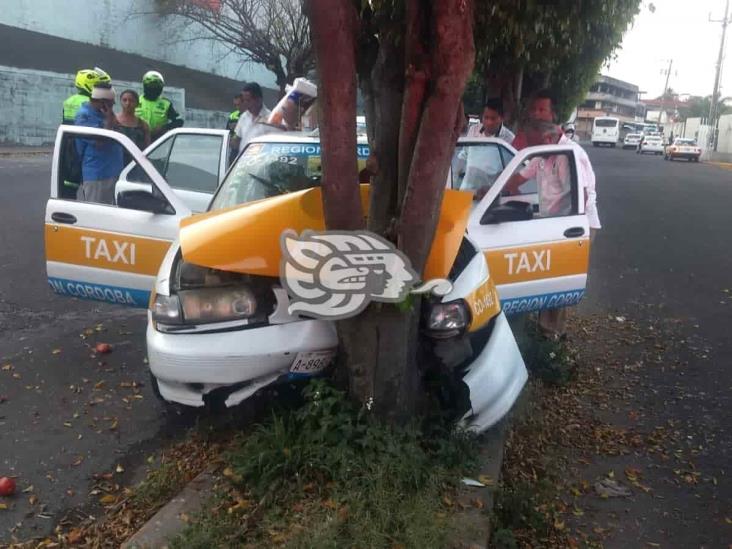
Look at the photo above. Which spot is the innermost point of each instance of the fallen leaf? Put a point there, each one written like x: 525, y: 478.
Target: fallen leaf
x: 608, y: 488
x: 74, y: 536
x: 56, y: 352
x: 120, y: 469
x: 3, y: 506
x: 487, y: 480
x: 107, y: 499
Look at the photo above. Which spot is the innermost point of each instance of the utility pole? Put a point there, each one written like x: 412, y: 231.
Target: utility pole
x: 714, y: 107
x: 665, y: 89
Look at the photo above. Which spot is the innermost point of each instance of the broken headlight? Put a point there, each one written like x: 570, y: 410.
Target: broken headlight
x: 446, y: 319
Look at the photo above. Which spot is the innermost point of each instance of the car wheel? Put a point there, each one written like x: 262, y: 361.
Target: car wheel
x: 594, y: 144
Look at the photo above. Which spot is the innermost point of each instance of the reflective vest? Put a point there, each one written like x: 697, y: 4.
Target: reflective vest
x: 233, y: 119
x: 72, y: 106
x: 155, y: 113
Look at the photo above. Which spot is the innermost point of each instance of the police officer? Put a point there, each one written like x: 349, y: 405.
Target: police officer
x: 231, y: 126
x: 84, y: 82
x: 157, y: 111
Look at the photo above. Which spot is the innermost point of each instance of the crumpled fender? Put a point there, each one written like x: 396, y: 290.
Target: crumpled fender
x: 246, y: 238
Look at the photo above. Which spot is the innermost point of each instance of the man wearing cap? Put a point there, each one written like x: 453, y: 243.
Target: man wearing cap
x: 101, y: 158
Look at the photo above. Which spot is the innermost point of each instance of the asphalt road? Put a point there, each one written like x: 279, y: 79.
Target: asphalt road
x: 67, y: 414
x: 662, y: 260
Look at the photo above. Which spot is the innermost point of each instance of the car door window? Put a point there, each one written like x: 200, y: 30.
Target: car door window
x: 158, y: 157
x: 475, y: 166
x: 193, y: 163
x: 550, y: 182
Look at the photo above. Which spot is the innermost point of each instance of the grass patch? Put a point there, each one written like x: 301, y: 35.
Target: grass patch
x: 553, y: 362
x: 329, y: 475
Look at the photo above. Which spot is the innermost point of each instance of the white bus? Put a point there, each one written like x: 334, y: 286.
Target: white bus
x: 605, y: 130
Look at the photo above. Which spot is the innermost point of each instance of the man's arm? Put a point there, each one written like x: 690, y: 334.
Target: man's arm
x: 174, y: 120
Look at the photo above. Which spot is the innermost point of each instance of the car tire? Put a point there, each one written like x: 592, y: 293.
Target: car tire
x: 594, y: 144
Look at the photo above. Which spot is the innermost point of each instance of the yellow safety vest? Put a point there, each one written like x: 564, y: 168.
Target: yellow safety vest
x: 155, y: 113
x: 72, y: 106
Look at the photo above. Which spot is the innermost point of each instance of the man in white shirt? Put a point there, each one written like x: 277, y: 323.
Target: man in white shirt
x: 252, y: 121
x: 553, y: 179
x: 492, y: 122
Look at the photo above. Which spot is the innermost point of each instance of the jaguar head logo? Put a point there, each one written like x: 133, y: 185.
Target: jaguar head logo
x: 335, y: 274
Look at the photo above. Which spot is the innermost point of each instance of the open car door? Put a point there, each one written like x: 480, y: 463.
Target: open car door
x: 192, y: 161
x: 108, y: 252
x: 536, y: 240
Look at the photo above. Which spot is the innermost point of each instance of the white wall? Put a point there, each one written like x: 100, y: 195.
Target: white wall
x: 692, y: 127
x: 32, y: 114
x: 112, y: 24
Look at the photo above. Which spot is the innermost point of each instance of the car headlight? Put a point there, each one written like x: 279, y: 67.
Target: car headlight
x: 166, y: 309
x: 217, y: 304
x: 447, y: 319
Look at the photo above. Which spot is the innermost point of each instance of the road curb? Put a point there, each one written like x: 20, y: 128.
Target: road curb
x: 20, y: 152
x: 171, y: 519
x: 475, y: 522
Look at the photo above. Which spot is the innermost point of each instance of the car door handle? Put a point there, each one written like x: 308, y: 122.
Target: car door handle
x: 61, y: 217
x: 574, y: 232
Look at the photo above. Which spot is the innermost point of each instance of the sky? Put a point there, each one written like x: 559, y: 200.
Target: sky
x: 678, y: 30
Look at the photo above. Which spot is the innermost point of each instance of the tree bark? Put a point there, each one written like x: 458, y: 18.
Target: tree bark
x: 387, y: 83
x: 417, y: 76
x: 334, y: 30
x: 452, y: 60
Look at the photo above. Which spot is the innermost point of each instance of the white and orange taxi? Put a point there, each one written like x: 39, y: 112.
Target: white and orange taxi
x: 218, y: 321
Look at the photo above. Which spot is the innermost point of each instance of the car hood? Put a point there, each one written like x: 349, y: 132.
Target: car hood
x: 246, y: 238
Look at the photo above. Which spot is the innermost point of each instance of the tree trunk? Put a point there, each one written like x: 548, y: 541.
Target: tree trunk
x: 452, y: 58
x: 334, y: 29
x: 412, y: 134
x: 379, y: 352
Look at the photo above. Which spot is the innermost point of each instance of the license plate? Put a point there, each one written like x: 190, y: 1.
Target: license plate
x: 312, y: 362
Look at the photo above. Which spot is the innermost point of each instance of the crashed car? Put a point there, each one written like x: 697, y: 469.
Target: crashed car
x: 218, y: 322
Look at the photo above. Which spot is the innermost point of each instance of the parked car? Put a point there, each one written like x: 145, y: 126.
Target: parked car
x: 683, y: 147
x: 218, y: 321
x: 632, y: 140
x: 651, y: 144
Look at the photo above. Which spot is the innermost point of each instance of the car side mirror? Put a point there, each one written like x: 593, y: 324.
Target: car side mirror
x: 514, y: 210
x: 144, y: 201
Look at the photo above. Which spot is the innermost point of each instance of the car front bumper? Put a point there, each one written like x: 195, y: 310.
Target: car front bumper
x: 495, y: 378
x: 190, y: 366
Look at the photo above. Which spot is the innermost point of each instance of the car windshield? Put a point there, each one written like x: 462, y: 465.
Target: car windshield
x: 684, y: 142
x: 632, y: 136
x: 605, y: 123
x: 653, y: 140
x: 269, y: 169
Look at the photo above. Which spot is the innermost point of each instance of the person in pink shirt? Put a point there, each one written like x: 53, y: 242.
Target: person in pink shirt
x: 540, y: 106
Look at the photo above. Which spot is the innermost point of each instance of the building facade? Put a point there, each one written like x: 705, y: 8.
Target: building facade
x: 45, y: 42
x: 609, y: 97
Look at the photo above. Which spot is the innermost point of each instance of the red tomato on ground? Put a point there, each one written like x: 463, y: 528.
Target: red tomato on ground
x: 103, y: 348
x: 7, y: 486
